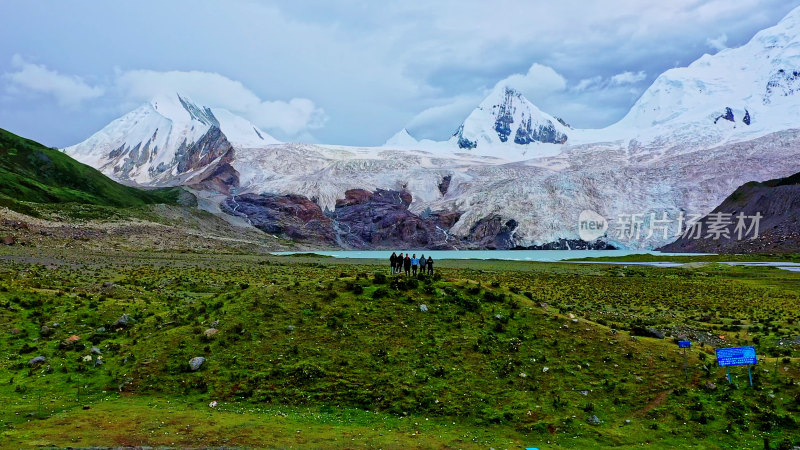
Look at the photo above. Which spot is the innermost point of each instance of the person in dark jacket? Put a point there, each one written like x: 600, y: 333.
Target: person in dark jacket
x: 422, y: 263
x: 429, y: 264
x: 393, y: 262
x: 407, y: 264
x: 399, y: 264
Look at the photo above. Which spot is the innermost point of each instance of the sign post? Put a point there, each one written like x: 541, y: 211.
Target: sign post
x: 684, y: 345
x: 737, y: 356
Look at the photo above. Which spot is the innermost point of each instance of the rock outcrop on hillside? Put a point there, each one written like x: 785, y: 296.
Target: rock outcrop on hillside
x: 290, y: 216
x: 776, y: 203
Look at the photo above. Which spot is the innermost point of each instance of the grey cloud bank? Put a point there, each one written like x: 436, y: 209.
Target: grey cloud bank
x: 348, y: 72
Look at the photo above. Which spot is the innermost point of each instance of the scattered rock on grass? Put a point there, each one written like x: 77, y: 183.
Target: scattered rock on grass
x: 423, y: 308
x: 45, y: 331
x: 124, y: 321
x: 211, y: 332
x: 196, y: 362
x: 593, y: 420
x: 37, y: 361
x: 96, y: 351
x: 71, y: 343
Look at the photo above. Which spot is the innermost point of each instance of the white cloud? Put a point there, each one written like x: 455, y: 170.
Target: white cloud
x: 587, y: 83
x: 718, y: 43
x: 599, y: 83
x: 68, y: 90
x: 540, y: 80
x: 429, y: 123
x: 628, y: 78
x: 214, y: 90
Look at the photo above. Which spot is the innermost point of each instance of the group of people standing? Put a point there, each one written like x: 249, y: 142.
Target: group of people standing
x: 411, y: 264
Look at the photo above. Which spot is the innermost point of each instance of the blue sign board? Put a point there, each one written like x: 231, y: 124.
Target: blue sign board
x: 684, y: 344
x: 736, y: 356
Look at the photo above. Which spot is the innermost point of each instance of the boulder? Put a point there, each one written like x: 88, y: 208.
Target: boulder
x: 8, y: 240
x: 71, y: 343
x: 124, y: 321
x: 423, y: 308
x: 37, y: 361
x: 196, y: 362
x: 210, y: 332
x: 593, y: 420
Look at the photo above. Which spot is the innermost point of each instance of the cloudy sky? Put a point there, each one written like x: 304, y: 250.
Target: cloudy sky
x: 349, y: 71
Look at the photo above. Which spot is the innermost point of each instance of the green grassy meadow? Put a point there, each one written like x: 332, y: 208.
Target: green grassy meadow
x: 325, y: 353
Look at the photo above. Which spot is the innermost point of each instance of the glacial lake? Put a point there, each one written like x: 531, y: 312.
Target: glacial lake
x: 508, y: 255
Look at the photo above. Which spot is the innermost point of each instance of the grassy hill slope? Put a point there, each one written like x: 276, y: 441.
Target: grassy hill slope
x: 31, y: 172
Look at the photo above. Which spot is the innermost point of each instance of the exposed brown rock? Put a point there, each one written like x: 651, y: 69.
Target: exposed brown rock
x: 777, y: 201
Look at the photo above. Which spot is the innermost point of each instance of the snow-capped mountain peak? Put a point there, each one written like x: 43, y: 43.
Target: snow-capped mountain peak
x: 735, y: 94
x: 506, y: 116
x: 401, y: 139
x: 166, y: 140
x: 180, y: 109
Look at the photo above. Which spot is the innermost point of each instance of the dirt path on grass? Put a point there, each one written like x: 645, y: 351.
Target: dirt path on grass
x: 652, y: 404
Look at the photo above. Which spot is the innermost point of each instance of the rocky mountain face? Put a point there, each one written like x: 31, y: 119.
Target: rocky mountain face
x: 366, y: 220
x: 291, y: 216
x: 756, y: 218
x: 381, y: 219
x: 511, y: 177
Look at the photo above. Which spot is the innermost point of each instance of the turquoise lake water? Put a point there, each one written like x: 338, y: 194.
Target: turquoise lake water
x: 510, y: 255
